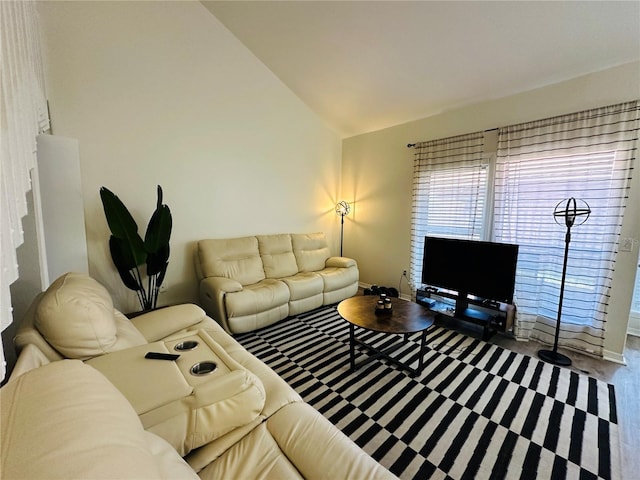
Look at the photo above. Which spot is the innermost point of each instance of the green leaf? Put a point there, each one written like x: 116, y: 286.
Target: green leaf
x: 122, y: 224
x: 124, y: 262
x: 159, y: 230
x: 157, y: 236
x: 163, y: 272
x: 157, y: 261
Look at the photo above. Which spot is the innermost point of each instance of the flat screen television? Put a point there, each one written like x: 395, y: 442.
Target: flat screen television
x: 482, y: 269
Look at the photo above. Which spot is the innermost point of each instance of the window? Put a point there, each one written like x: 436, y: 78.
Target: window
x: 455, y: 201
x: 525, y: 218
x: 449, y: 192
x: 587, y: 156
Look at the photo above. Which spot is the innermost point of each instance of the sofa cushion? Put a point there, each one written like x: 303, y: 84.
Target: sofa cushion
x: 65, y: 420
x: 256, y: 298
x: 76, y: 316
x: 304, y: 285
x: 277, y: 255
x: 311, y: 251
x: 236, y: 258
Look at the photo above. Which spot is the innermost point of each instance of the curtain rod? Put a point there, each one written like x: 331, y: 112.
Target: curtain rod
x: 411, y: 145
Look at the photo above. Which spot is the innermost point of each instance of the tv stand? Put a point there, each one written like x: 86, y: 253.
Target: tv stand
x: 492, y: 316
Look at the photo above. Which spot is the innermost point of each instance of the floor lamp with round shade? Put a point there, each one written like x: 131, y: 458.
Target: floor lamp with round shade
x: 571, y: 213
x: 342, y: 209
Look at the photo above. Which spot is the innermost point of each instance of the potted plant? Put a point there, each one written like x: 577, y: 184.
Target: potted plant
x: 130, y: 252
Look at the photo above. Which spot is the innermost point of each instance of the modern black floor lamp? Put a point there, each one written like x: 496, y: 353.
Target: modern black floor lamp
x: 571, y: 214
x: 342, y: 209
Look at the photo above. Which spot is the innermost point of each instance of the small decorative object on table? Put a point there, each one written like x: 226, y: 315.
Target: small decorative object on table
x: 388, y: 306
x: 384, y: 305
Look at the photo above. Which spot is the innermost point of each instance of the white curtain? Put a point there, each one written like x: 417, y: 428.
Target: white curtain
x: 588, y: 156
x: 449, y: 193
x: 23, y: 115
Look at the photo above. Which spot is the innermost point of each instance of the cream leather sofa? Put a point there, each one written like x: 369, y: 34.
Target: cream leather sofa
x: 250, y: 282
x: 108, y: 412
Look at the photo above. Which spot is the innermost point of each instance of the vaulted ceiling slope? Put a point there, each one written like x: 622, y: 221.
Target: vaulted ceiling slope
x: 368, y: 65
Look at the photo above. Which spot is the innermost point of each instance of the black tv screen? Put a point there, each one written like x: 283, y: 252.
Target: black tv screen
x: 483, y: 269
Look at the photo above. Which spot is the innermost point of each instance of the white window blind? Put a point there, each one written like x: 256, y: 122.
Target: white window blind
x: 449, y: 193
x: 589, y: 156
x: 23, y: 110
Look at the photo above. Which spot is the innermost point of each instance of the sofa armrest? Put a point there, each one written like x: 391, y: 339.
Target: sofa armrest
x: 295, y: 442
x: 30, y: 357
x: 161, y: 323
x: 212, y: 292
x: 340, y: 262
x: 222, y: 284
x: 299, y: 430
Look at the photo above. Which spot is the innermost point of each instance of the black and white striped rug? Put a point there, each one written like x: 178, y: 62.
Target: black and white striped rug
x: 476, y: 411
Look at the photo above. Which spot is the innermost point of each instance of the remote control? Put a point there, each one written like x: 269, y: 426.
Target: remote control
x: 162, y: 356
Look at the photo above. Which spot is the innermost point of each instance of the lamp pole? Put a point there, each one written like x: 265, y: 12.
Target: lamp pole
x: 341, y: 232
x: 342, y: 209
x: 570, y: 213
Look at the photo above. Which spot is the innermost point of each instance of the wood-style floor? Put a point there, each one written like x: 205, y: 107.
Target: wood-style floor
x: 625, y: 378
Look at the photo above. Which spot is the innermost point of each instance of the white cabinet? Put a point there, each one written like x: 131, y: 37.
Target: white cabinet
x: 61, y: 207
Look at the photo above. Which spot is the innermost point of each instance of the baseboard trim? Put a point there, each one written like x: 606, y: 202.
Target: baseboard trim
x: 614, y: 357
x: 633, y: 331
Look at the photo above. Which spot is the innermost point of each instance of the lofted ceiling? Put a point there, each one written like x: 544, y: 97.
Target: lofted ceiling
x: 367, y: 65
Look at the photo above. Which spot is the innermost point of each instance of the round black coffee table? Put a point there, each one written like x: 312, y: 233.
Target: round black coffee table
x: 405, y: 318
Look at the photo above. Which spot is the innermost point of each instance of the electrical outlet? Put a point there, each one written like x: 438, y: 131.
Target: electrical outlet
x: 404, y: 273
x: 626, y: 244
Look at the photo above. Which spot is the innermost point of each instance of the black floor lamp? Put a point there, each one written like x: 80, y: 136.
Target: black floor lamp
x: 569, y: 213
x: 342, y: 209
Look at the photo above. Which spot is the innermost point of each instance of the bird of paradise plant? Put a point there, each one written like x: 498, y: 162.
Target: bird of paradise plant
x: 130, y: 252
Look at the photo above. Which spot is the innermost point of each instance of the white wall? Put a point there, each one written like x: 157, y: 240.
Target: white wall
x: 378, y: 167
x: 161, y: 93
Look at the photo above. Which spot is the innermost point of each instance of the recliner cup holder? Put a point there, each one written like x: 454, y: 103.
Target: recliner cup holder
x: 186, y: 346
x: 203, y: 368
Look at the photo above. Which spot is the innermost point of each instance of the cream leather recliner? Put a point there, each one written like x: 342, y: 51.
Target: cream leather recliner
x: 240, y: 421
x: 250, y: 282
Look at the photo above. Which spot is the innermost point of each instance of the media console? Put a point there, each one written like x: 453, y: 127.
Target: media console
x: 492, y: 316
